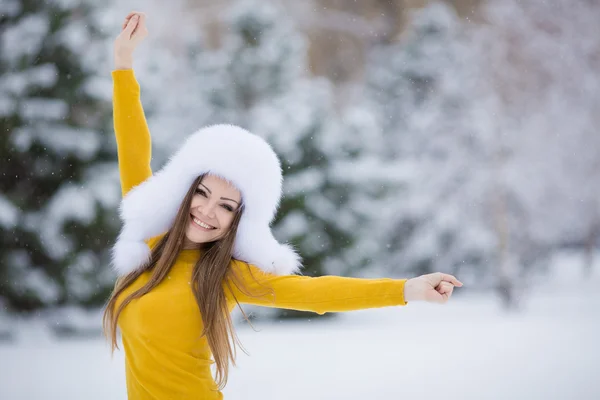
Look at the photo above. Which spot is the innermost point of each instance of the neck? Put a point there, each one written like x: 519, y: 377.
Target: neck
x: 189, y: 245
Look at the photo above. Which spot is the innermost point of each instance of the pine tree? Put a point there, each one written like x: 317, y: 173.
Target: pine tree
x: 541, y: 64
x: 425, y: 87
x: 59, y: 186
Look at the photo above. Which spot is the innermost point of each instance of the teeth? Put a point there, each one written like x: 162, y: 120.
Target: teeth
x: 202, y: 224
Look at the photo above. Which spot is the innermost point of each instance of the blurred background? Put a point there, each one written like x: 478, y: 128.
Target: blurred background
x: 415, y: 136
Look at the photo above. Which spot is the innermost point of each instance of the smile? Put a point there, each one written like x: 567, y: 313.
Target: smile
x: 201, y: 224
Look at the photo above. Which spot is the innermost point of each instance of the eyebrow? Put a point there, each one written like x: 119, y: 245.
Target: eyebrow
x: 222, y: 198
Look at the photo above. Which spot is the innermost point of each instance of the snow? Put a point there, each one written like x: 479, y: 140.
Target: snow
x: 101, y: 184
x: 464, y: 350
x: 9, y: 214
x: 15, y: 83
x: 292, y: 224
x: 44, y: 75
x: 467, y: 349
x: 70, y: 202
x: 63, y: 140
x: 27, y: 280
x: 10, y: 7
x: 7, y: 105
x: 78, y: 274
x: 24, y: 38
x: 542, y: 69
x: 307, y: 180
x: 75, y: 36
x: 44, y: 109
x: 36, y: 280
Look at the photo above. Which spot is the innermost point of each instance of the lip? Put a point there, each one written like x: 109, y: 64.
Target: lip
x: 198, y: 226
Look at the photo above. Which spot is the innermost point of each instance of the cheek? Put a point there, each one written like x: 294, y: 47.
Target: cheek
x: 226, y: 218
x: 196, y: 201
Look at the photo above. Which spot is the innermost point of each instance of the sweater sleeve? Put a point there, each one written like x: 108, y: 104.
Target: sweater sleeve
x: 250, y: 285
x: 134, y: 146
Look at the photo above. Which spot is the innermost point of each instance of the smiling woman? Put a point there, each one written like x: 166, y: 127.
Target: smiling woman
x: 212, y: 210
x: 196, y: 242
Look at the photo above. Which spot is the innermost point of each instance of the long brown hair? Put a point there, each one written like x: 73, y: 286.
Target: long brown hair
x: 211, y: 271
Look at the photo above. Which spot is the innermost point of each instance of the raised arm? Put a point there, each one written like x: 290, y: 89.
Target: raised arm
x: 251, y: 285
x: 134, y: 146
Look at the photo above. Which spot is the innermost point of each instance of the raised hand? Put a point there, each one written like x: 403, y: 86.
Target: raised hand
x: 133, y: 31
x: 433, y: 288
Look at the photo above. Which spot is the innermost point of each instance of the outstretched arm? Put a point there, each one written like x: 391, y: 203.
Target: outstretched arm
x: 323, y: 294
x: 251, y: 285
x: 131, y: 129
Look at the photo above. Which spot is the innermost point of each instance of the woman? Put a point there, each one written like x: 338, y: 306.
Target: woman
x: 196, y: 242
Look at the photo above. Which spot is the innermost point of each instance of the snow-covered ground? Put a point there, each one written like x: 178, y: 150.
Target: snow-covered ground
x: 466, y: 349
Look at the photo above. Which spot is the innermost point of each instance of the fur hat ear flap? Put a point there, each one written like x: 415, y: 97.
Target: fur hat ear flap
x: 150, y: 210
x: 128, y: 255
x: 256, y: 245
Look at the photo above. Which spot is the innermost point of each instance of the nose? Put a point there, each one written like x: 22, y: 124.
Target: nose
x: 207, y: 209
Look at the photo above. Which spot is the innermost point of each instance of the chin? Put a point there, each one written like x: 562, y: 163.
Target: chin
x: 198, y: 240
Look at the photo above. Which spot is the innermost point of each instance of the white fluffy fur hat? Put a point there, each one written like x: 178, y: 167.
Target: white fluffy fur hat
x: 234, y: 154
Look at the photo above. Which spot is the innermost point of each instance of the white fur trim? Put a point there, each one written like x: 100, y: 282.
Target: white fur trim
x: 228, y: 151
x: 256, y: 245
x: 127, y: 253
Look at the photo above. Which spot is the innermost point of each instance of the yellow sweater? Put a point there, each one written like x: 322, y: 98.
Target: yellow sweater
x: 165, y: 357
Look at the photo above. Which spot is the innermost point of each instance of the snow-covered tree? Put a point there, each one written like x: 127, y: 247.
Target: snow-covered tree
x: 59, y: 186
x: 541, y: 64
x: 494, y: 128
x: 426, y: 90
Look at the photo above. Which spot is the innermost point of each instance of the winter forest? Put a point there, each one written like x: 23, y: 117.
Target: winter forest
x: 415, y: 136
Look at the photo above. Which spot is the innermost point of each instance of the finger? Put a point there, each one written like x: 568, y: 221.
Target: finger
x: 446, y: 292
x: 439, y: 298
x: 127, y: 18
x: 143, y: 18
x: 444, y: 287
x: 434, y: 297
x: 138, y: 15
x: 446, y: 297
x: 132, y: 24
x: 451, y: 279
x: 142, y: 24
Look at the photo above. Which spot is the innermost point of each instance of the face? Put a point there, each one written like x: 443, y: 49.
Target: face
x: 212, y: 210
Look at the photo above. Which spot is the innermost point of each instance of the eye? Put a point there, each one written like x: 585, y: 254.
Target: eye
x: 201, y: 192
x: 228, y: 207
